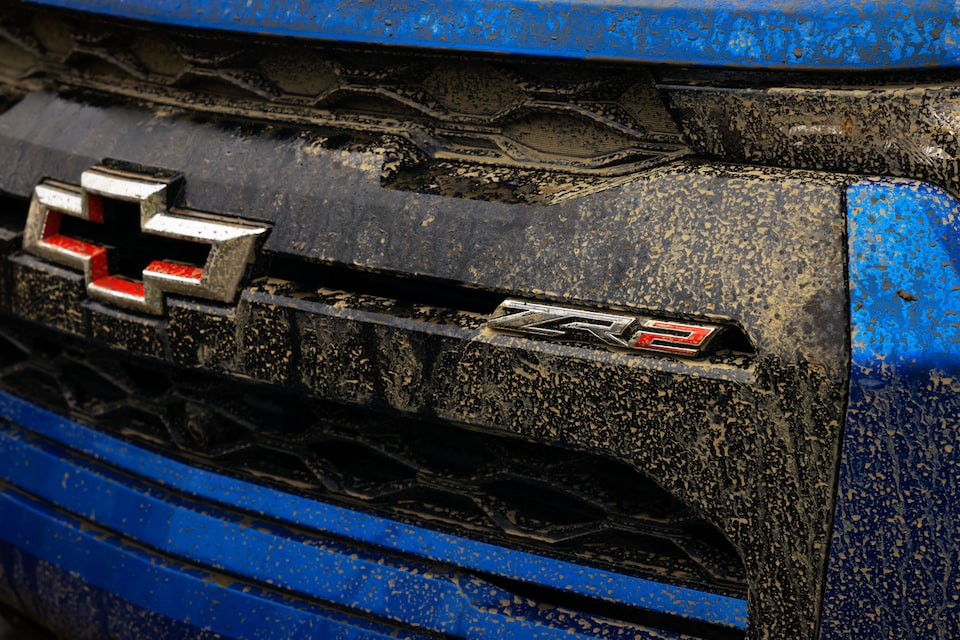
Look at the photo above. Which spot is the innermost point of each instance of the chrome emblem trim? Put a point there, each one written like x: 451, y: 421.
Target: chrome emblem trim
x: 634, y: 333
x: 232, y: 243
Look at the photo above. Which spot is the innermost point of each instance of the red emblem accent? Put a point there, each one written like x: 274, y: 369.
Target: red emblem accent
x: 672, y: 337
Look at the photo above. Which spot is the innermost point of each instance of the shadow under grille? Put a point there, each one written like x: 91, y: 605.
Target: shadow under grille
x: 570, y: 505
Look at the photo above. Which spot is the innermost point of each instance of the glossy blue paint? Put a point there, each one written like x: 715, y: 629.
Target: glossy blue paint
x: 346, y: 573
x: 116, y: 589
x: 893, y: 569
x: 750, y: 33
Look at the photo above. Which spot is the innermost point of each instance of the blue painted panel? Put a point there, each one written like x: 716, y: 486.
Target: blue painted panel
x: 278, y: 555
x: 99, y: 586
x: 751, y: 33
x: 894, y: 559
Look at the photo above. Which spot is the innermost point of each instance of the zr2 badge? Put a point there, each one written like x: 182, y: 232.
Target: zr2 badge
x: 635, y: 333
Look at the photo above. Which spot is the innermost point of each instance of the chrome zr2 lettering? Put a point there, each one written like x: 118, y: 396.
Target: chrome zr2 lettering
x: 634, y: 333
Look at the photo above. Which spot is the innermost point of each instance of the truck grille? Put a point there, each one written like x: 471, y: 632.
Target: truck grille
x: 574, y: 506
x: 434, y: 116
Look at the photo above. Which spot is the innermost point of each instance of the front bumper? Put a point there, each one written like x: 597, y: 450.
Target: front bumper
x: 133, y: 532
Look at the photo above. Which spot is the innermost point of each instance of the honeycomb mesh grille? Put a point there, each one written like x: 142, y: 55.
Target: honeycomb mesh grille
x: 565, y: 504
x: 596, y: 118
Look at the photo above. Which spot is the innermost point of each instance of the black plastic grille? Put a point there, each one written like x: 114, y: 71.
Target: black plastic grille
x: 603, y: 119
x: 566, y: 504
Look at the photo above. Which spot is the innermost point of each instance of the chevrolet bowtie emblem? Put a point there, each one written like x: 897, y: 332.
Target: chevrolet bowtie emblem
x: 222, y: 247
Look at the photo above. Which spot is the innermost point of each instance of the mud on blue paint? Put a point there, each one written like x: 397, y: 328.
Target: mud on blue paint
x: 749, y: 33
x: 893, y: 568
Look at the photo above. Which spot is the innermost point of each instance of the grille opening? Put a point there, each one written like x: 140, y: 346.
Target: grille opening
x: 253, y: 412
x: 228, y: 88
x: 552, y: 134
x: 11, y: 351
x: 571, y: 505
x: 436, y: 506
x: 89, y: 387
x: 377, y: 468
x: 132, y: 249
x: 281, y: 466
x: 460, y: 454
x: 465, y: 142
x: 159, y: 55
x: 711, y: 549
x: 13, y: 211
x: 94, y: 66
x: 373, y: 105
x: 282, y: 414
x: 145, y: 379
x: 131, y: 420
x: 628, y: 491
x: 37, y: 386
x: 207, y: 430
x: 733, y: 340
x: 647, y: 550
x: 403, y: 290
x: 298, y: 72
x: 14, y: 60
x: 534, y: 505
x: 42, y: 347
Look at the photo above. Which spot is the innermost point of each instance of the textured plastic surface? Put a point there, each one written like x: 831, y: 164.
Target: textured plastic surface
x: 786, y: 33
x: 896, y: 547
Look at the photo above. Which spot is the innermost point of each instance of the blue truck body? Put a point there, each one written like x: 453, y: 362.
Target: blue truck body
x: 815, y: 35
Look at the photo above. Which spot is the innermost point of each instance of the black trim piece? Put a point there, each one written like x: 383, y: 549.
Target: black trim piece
x: 405, y: 290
